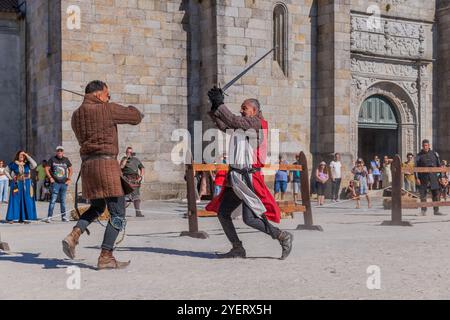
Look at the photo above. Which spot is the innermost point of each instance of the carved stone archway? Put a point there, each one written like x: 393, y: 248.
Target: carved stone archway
x: 405, y: 108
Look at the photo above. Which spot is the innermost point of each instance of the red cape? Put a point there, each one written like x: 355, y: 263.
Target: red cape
x: 272, y: 211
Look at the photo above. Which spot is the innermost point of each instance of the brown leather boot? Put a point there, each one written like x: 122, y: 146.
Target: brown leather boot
x: 70, y: 242
x: 106, y: 260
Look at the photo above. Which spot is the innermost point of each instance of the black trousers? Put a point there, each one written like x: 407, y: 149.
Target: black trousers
x: 229, y: 203
x: 423, y: 189
x: 116, y: 207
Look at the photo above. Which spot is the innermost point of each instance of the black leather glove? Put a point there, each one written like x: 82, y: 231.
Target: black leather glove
x: 216, y: 97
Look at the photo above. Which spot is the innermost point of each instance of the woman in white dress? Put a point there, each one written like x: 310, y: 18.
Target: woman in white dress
x: 387, y: 172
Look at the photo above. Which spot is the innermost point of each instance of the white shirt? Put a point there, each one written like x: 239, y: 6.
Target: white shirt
x: 336, y: 169
x: 3, y: 176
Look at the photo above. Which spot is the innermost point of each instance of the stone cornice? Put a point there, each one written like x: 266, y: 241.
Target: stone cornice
x: 385, y: 16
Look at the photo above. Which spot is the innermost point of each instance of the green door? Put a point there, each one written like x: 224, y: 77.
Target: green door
x: 377, y: 129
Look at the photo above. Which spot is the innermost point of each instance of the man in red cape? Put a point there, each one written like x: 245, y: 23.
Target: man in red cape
x: 245, y: 183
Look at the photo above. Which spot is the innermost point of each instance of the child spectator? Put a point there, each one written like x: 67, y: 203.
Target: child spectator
x: 370, y: 179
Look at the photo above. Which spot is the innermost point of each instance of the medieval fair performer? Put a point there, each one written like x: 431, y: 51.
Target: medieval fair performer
x: 245, y: 182
x: 21, y: 206
x: 133, y: 170
x: 428, y: 180
x: 95, y: 126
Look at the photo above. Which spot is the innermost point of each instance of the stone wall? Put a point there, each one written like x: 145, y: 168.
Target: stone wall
x: 12, y: 85
x: 245, y: 33
x: 44, y: 77
x: 392, y: 55
x: 139, y: 47
x: 163, y: 56
x: 333, y: 116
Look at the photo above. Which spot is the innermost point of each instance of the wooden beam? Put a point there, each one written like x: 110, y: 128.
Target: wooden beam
x: 293, y: 208
x: 415, y: 205
x: 209, y: 167
x: 396, y: 202
x: 205, y: 213
x: 268, y: 167
x: 192, y: 207
x: 306, y: 199
x: 396, y: 168
x: 427, y: 170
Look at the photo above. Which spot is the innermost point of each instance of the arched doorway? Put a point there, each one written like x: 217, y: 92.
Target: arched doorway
x: 377, y: 128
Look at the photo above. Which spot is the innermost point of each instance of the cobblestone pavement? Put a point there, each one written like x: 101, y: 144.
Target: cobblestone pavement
x: 333, y: 264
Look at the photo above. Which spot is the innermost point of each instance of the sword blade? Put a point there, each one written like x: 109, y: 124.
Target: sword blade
x: 229, y: 84
x: 82, y: 95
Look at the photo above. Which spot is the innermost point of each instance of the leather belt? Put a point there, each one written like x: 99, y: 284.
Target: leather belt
x: 245, y: 171
x: 97, y: 156
x: 23, y: 177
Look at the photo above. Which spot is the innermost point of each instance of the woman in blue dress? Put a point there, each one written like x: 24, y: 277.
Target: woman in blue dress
x: 21, y: 206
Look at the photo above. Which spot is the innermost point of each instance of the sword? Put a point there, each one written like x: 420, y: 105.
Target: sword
x: 79, y: 94
x: 229, y: 84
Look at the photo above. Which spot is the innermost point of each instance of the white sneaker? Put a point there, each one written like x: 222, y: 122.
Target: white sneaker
x: 64, y: 219
x: 47, y: 220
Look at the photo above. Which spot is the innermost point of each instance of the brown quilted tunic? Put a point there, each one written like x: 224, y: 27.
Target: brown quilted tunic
x: 95, y: 126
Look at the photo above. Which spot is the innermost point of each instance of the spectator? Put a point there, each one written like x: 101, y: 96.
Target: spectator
x: 443, y: 182
x: 444, y: 164
x: 424, y: 180
x: 3, y: 183
x: 336, y: 176
x: 59, y: 172
x: 296, y: 179
x: 360, y: 176
x: 370, y: 179
x: 40, y: 183
x: 205, y: 184
x: 133, y: 170
x: 375, y: 165
x: 321, y: 180
x: 444, y: 187
x: 352, y: 192
x: 219, y: 179
x: 281, y: 180
x: 387, y: 172
x: 21, y: 206
x: 409, y: 179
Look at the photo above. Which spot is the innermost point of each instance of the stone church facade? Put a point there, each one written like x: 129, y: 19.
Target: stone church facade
x: 344, y: 72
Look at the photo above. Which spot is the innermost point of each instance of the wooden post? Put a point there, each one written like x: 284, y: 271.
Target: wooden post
x: 3, y: 245
x: 192, y: 206
x: 396, y: 205
x: 306, y: 199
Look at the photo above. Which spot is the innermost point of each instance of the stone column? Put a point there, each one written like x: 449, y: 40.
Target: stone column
x: 442, y: 142
x: 334, y: 82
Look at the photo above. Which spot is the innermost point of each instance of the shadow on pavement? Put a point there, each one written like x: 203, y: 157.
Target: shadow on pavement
x: 47, y: 263
x: 183, y: 253
x: 176, y: 234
